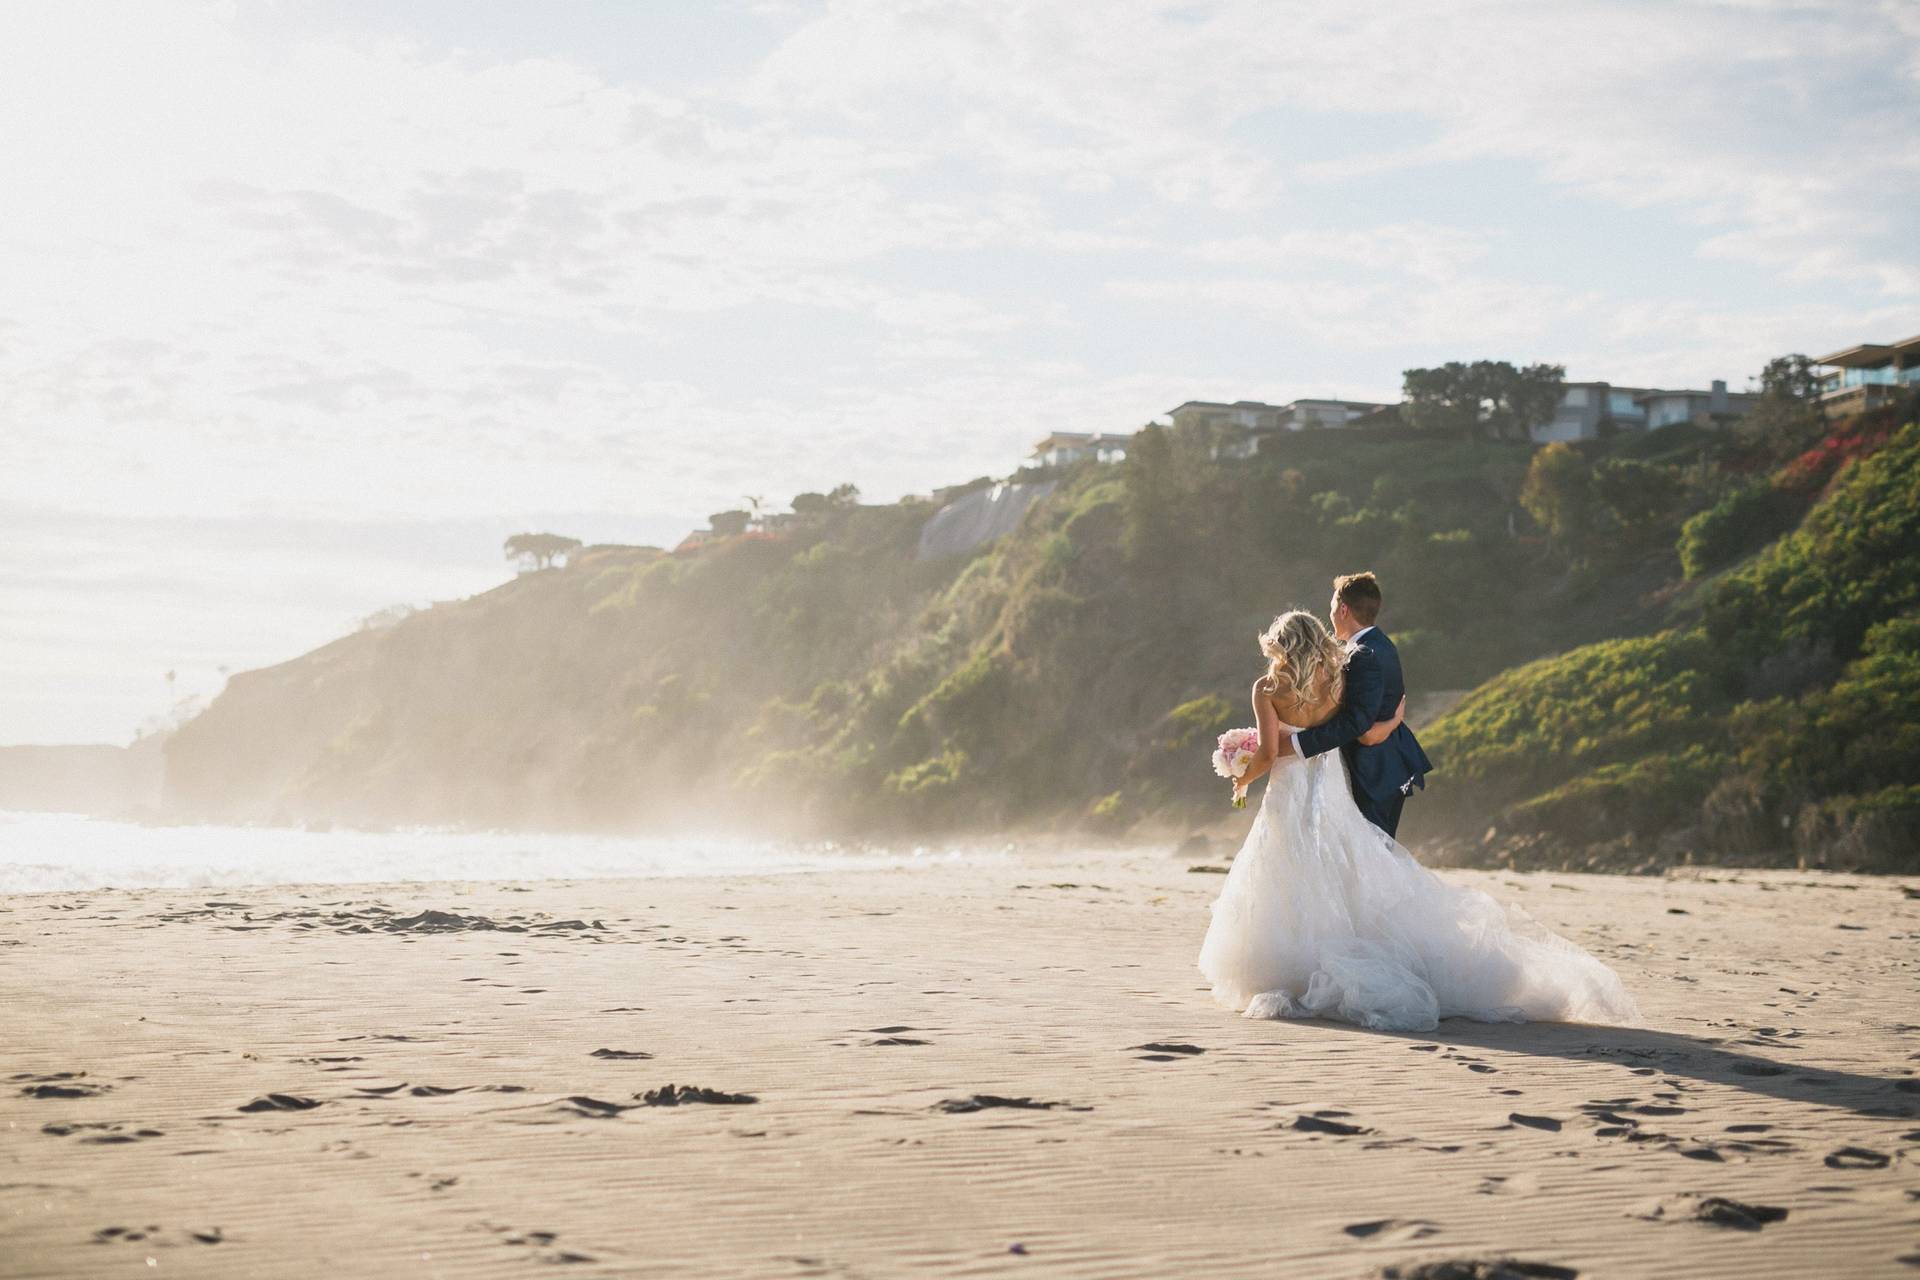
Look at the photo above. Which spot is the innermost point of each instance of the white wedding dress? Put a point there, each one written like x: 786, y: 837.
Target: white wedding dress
x: 1325, y: 915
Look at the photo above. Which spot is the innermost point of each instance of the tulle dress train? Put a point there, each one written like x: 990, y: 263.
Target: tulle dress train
x: 1325, y: 915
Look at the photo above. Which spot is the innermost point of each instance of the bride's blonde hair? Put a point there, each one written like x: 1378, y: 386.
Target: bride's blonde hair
x: 1304, y: 660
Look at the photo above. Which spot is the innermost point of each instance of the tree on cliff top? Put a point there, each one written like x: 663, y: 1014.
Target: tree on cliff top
x: 538, y: 550
x: 1788, y: 417
x: 840, y: 498
x: 728, y: 524
x: 1488, y: 397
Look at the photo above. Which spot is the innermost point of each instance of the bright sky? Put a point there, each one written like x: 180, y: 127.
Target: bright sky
x: 305, y: 306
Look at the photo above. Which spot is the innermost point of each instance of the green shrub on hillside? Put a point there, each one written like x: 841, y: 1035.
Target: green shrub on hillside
x: 1744, y: 520
x: 1854, y: 561
x: 940, y: 773
x: 1539, y: 725
x: 1856, y: 736
x: 1653, y: 795
x: 1789, y: 718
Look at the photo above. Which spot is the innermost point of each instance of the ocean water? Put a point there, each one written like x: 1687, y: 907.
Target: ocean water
x: 51, y: 852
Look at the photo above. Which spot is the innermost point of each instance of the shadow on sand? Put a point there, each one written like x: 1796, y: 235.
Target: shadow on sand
x: 1649, y: 1053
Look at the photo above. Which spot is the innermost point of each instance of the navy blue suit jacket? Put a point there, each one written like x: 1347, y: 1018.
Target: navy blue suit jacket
x: 1374, y: 688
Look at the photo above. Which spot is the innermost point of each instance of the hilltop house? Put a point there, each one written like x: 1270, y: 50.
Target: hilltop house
x: 1584, y: 405
x: 1664, y: 408
x: 1241, y: 426
x: 1869, y: 375
x: 1257, y: 416
x: 1307, y: 415
x: 1064, y: 448
x: 1244, y: 415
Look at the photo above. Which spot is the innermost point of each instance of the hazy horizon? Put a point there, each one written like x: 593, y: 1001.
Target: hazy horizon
x: 309, y: 305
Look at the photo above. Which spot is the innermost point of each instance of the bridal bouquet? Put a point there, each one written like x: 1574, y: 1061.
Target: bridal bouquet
x: 1233, y: 754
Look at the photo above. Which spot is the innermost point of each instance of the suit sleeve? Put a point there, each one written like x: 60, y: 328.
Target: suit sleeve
x: 1359, y: 709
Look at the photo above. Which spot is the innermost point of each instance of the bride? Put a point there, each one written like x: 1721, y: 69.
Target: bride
x: 1325, y: 915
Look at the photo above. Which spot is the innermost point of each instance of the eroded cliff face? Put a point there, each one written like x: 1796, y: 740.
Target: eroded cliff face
x: 975, y: 519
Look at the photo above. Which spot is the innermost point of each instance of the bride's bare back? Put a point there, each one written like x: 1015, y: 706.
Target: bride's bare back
x: 1301, y: 715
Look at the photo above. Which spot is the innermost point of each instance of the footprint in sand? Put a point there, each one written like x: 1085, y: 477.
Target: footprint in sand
x: 1547, y: 1123
x: 282, y: 1102
x: 1480, y: 1269
x: 1326, y: 1122
x: 620, y: 1055
x: 1162, y: 1051
x: 893, y: 1036
x: 438, y: 1182
x: 674, y: 1095
x: 1857, y: 1158
x: 336, y: 1062
x: 539, y: 1245
x: 1496, y: 1184
x: 101, y: 1133
x: 61, y: 1084
x: 988, y: 1101
x: 1702, y: 1152
x: 1718, y: 1211
x: 1392, y: 1230
x: 150, y: 1236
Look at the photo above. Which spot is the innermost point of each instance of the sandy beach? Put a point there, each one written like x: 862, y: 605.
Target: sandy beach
x: 1006, y: 1068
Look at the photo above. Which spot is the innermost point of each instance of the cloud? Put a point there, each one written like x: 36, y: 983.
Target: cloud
x: 1416, y: 249
x: 1788, y: 127
x: 261, y: 263
x: 279, y: 263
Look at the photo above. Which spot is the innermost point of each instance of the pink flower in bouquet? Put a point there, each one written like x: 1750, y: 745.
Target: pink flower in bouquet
x: 1235, y: 752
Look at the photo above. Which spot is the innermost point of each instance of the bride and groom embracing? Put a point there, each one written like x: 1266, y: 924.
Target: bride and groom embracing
x: 1323, y: 913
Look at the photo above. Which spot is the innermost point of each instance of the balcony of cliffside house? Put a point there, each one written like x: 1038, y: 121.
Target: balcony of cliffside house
x: 1869, y: 375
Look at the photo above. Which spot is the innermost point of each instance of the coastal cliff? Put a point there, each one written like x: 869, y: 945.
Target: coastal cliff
x: 834, y: 679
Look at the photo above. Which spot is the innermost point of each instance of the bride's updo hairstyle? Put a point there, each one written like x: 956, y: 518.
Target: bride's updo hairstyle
x: 1305, y: 660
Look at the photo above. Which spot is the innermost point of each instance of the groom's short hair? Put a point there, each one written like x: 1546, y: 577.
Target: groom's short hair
x: 1360, y: 592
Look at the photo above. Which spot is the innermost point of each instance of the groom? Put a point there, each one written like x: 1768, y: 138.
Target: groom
x: 1384, y: 775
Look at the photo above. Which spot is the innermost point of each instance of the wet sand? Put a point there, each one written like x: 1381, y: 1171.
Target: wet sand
x: 1001, y: 1069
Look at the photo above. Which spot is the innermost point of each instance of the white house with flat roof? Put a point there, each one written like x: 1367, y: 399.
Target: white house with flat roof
x: 1584, y: 405
x: 1241, y: 425
x: 1869, y: 375
x: 1309, y: 415
x: 1246, y: 415
x: 1664, y: 408
x: 1064, y: 448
